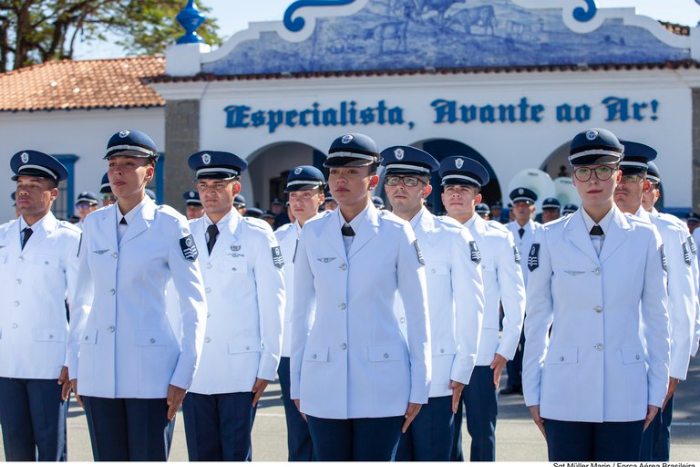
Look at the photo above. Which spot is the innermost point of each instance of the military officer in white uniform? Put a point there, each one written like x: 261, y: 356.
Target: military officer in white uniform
x: 39, y: 264
x: 193, y: 205
x: 682, y: 294
x: 649, y: 199
x: 523, y: 228
x: 353, y: 374
x: 598, y: 282
x: 462, y: 179
x: 305, y: 188
x: 131, y: 370
x: 242, y: 266
x: 108, y: 197
x: 455, y: 300
x: 85, y: 204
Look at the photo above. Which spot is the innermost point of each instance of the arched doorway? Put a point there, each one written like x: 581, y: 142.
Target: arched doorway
x: 442, y: 148
x: 269, y: 167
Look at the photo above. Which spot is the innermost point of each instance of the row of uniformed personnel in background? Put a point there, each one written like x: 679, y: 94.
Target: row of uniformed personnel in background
x: 382, y: 327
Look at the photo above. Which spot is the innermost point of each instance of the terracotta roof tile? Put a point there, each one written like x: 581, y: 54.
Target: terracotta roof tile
x: 82, y: 84
x: 675, y: 65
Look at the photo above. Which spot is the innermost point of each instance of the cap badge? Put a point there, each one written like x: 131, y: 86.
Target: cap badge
x: 399, y: 153
x: 521, y: 191
x: 347, y: 138
x: 459, y: 163
x: 191, y: 194
x: 591, y: 135
x: 124, y: 133
x: 206, y: 158
x: 24, y: 157
x: 297, y: 171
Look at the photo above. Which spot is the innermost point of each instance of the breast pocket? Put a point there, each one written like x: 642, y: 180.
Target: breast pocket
x: 436, y: 268
x: 46, y: 261
x: 233, y: 266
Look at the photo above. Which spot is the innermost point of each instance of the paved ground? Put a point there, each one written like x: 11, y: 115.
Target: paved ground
x: 517, y: 437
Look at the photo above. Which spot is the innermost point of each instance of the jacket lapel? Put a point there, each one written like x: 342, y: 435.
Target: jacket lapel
x: 333, y: 236
x: 228, y: 235
x: 109, y: 228
x: 579, y: 236
x: 40, y: 230
x: 368, y: 229
x: 141, y: 223
x: 616, y: 236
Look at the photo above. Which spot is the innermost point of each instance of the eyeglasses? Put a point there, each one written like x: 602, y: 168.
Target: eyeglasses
x: 602, y: 173
x: 632, y: 179
x: 394, y: 180
x: 109, y: 198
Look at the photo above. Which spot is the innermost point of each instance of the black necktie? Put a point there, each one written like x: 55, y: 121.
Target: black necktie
x: 213, y: 232
x: 123, y: 221
x: 521, y: 232
x: 347, y: 231
x: 597, y: 230
x: 26, y: 233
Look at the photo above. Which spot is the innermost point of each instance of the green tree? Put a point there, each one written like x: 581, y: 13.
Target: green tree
x: 35, y: 31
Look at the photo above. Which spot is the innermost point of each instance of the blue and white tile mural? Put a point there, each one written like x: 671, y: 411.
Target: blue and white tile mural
x: 409, y: 34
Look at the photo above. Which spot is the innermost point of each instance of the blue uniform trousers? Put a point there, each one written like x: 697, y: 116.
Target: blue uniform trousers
x: 656, y: 442
x: 593, y: 442
x: 128, y: 429
x: 358, y: 439
x: 481, y: 405
x: 33, y: 419
x: 430, y: 436
x: 514, y: 367
x: 218, y: 427
x: 299, y: 444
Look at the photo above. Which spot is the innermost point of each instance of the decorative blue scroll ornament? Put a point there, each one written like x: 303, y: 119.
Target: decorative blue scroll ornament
x: 298, y: 23
x: 584, y: 15
x: 190, y: 18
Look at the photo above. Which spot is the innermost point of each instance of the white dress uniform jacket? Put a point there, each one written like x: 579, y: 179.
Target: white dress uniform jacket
x: 696, y: 337
x: 35, y: 284
x: 595, y: 367
x: 350, y: 360
x: 288, y: 237
x: 681, y: 291
x: 455, y: 298
x: 121, y: 341
x: 244, y: 283
x: 503, y: 283
x: 693, y: 247
x: 525, y: 242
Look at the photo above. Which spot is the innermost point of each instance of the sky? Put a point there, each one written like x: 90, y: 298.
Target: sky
x: 234, y: 16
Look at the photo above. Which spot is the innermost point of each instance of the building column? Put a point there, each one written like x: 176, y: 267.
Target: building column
x: 181, y: 141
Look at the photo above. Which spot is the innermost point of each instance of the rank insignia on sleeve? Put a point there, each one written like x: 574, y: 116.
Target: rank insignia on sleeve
x: 664, y: 261
x: 686, y: 254
x: 516, y: 254
x: 693, y: 246
x: 189, y: 249
x: 419, y: 253
x: 475, y: 253
x: 533, y: 260
x: 277, y: 259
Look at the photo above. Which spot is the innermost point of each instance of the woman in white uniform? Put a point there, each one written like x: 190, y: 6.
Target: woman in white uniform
x: 598, y: 280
